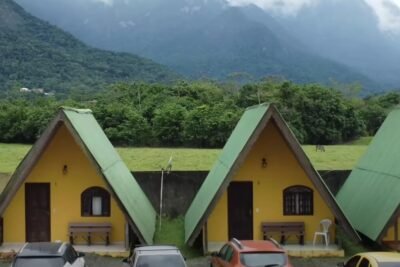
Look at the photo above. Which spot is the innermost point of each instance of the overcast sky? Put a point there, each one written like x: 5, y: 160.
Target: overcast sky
x: 387, y: 11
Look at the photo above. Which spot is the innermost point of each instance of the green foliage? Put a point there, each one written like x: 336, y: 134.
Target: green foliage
x: 123, y: 125
x: 168, y: 124
x: 23, y: 121
x: 210, y: 126
x: 199, y: 114
x: 350, y: 247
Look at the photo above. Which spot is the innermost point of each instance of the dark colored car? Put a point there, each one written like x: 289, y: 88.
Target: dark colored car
x: 46, y: 254
x: 156, y: 256
x: 250, y: 253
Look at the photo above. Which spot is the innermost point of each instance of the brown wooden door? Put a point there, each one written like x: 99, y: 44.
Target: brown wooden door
x: 37, y: 212
x: 240, y: 210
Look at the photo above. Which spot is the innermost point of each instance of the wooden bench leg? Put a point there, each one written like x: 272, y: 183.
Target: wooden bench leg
x: 301, y: 239
x: 71, y: 238
x: 107, y: 239
x: 89, y: 239
x: 282, y: 239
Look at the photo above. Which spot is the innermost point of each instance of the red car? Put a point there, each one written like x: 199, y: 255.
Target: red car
x: 266, y: 253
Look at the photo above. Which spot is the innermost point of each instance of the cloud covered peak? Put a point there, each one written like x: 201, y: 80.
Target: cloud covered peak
x: 106, y: 2
x: 282, y: 7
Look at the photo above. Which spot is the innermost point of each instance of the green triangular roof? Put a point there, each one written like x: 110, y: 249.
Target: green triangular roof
x: 370, y: 197
x: 246, y: 133
x: 91, y: 138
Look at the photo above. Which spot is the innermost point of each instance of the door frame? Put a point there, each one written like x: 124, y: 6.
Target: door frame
x: 27, y: 211
x: 251, y: 230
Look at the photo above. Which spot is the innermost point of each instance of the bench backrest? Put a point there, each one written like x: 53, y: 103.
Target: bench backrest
x: 81, y: 227
x: 282, y: 226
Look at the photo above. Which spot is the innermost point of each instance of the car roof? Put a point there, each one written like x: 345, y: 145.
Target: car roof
x: 246, y: 246
x: 153, y: 250
x: 42, y: 249
x: 382, y: 256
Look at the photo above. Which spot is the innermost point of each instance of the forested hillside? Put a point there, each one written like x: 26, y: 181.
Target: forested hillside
x: 35, y: 54
x: 201, y: 114
x: 196, y: 38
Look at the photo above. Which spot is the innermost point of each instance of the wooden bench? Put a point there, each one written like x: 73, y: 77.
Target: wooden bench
x: 88, y: 229
x: 284, y: 229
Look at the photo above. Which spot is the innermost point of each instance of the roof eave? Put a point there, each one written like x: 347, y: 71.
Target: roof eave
x: 100, y: 172
x: 301, y: 157
x: 246, y: 149
x: 314, y: 175
x: 389, y: 224
x: 28, y: 162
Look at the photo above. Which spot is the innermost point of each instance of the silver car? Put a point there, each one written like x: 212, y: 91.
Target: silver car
x: 155, y: 256
x: 46, y: 254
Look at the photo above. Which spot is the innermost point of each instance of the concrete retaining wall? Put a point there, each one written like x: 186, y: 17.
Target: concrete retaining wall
x: 180, y: 187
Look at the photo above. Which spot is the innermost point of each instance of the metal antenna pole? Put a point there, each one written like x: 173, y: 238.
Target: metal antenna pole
x: 168, y: 169
x: 161, y: 195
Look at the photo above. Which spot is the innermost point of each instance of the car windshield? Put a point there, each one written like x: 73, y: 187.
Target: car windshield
x: 263, y: 259
x: 39, y: 262
x: 389, y: 264
x: 160, y: 260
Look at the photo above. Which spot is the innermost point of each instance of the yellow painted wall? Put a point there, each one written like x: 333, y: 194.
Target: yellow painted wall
x: 283, y: 170
x: 65, y: 192
x: 390, y: 235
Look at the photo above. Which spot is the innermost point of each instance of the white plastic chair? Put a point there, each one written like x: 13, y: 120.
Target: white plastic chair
x: 325, y: 224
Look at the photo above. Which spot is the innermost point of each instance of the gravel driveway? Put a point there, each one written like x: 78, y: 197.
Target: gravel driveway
x: 297, y: 262
x: 97, y: 261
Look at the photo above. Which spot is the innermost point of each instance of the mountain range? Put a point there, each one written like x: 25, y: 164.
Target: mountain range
x: 212, y: 39
x: 35, y: 54
x: 348, y: 32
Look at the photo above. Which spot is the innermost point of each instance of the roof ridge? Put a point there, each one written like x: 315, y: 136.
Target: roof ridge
x: 258, y: 105
x: 378, y: 172
x: 77, y: 110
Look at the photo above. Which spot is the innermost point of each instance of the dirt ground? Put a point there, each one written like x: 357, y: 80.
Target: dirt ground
x: 97, y: 261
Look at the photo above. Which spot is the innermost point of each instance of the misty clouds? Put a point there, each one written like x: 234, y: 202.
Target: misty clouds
x: 284, y: 7
x: 387, y: 11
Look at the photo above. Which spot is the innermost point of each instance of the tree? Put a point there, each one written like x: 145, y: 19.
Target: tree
x: 373, y: 116
x: 207, y: 126
x: 123, y: 125
x: 168, y: 124
x: 322, y: 115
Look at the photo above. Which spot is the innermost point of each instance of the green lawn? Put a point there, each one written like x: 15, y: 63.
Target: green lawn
x: 338, y: 157
x: 363, y: 141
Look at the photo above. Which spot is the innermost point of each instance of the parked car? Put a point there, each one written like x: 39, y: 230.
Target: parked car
x: 251, y: 253
x: 46, y: 254
x: 155, y: 256
x: 373, y: 259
